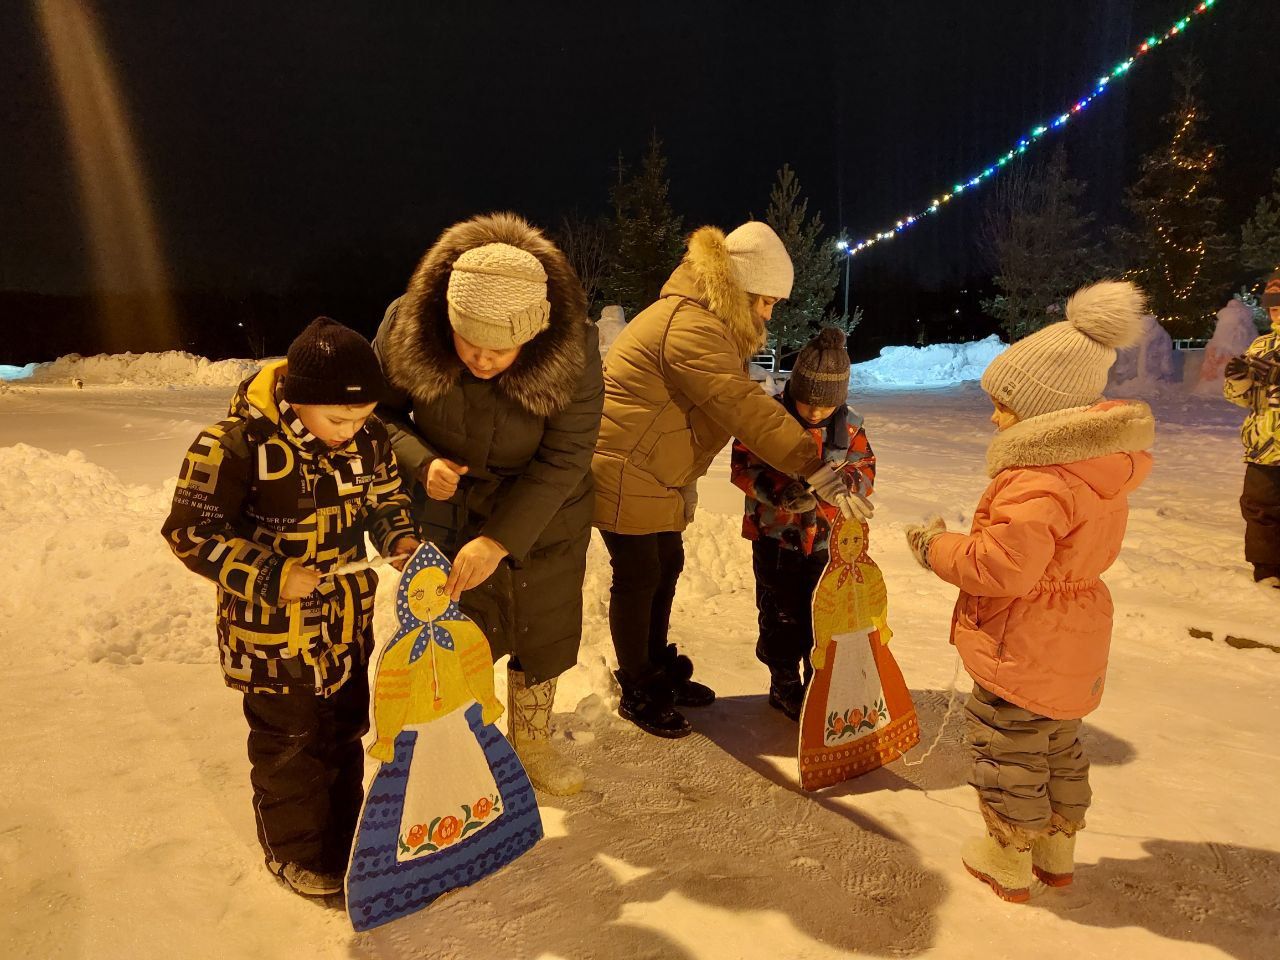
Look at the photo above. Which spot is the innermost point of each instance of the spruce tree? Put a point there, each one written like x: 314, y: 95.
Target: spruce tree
x: 646, y: 235
x: 1260, y: 238
x: 1040, y: 243
x: 816, y: 269
x: 1176, y: 252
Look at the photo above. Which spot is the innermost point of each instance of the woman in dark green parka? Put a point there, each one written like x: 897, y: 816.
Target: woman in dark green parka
x: 498, y: 383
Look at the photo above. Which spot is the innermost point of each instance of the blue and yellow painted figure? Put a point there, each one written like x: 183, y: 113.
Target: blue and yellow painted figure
x: 450, y: 802
x: 438, y: 662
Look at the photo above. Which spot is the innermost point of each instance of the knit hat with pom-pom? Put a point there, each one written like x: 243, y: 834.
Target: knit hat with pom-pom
x: 1066, y: 364
x: 821, y: 373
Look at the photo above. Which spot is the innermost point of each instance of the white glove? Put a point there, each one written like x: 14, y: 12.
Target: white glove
x: 920, y: 536
x: 689, y: 492
x: 829, y: 485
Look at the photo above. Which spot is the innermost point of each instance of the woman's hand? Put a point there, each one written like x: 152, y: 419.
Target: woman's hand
x: 299, y: 582
x: 473, y: 565
x: 442, y: 478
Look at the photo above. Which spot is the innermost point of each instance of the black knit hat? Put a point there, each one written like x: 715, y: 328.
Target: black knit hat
x: 821, y: 373
x: 332, y: 364
x: 1271, y: 296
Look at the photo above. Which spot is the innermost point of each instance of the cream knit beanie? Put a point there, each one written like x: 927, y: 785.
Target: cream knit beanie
x: 498, y: 296
x: 1066, y: 364
x: 760, y: 261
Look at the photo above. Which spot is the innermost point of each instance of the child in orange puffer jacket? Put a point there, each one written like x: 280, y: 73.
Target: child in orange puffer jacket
x: 1033, y: 620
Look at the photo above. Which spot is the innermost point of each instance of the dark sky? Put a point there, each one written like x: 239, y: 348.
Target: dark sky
x: 273, y: 135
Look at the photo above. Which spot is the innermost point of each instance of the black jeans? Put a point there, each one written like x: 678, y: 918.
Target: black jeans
x: 1260, y: 505
x: 646, y: 568
x: 308, y: 772
x: 785, y: 581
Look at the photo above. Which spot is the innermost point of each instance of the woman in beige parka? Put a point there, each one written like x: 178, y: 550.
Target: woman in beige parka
x: 676, y: 390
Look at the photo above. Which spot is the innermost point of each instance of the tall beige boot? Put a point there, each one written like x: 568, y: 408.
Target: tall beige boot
x: 1053, y: 853
x: 1001, y: 858
x: 529, y: 730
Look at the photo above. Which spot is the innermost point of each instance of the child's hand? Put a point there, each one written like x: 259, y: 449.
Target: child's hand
x: 299, y: 582
x: 402, y: 550
x: 795, y: 498
x: 920, y: 535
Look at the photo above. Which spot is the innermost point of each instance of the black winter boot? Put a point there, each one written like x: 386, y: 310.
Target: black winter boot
x: 649, y: 705
x: 786, y: 692
x: 687, y: 692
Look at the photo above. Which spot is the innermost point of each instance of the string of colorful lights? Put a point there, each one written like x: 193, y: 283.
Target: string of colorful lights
x: 1032, y: 138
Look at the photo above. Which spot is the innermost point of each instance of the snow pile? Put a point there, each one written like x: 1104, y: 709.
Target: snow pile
x: 938, y: 364
x: 146, y: 370
x: 1231, y: 337
x: 70, y: 530
x: 8, y: 372
x: 1147, y: 362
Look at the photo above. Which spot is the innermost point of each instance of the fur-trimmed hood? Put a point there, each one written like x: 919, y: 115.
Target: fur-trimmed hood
x: 706, y: 277
x: 1074, y: 436
x: 417, y: 344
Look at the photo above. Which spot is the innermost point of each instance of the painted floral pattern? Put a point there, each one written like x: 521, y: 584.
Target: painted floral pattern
x: 855, y: 720
x: 448, y: 830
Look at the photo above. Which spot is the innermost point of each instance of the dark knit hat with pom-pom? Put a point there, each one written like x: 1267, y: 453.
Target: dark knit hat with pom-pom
x: 821, y: 374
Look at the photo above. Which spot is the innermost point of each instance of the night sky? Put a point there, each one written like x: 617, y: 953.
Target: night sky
x: 275, y: 136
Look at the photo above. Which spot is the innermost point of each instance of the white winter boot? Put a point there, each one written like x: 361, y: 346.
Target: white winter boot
x: 1053, y: 854
x: 1001, y: 858
x: 529, y: 730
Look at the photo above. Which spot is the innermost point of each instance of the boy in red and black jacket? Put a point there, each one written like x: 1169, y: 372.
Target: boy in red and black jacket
x: 790, y: 528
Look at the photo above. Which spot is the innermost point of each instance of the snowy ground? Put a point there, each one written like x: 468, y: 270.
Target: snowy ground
x: 125, y: 828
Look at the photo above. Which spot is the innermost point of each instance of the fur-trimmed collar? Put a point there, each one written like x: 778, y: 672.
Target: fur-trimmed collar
x: 418, y: 347
x: 705, y: 276
x: 1069, y: 436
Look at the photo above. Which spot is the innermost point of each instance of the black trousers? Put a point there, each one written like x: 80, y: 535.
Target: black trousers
x: 646, y: 568
x: 1260, y: 504
x: 308, y: 772
x: 785, y: 581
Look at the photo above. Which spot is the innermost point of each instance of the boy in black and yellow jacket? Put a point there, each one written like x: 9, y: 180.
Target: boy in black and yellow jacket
x: 269, y: 502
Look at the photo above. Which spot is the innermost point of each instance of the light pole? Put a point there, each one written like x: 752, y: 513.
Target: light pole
x: 843, y: 247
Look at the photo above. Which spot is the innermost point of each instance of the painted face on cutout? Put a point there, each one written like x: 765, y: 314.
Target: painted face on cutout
x: 334, y: 424
x: 427, y: 599
x: 483, y: 362
x: 1275, y: 314
x: 848, y: 543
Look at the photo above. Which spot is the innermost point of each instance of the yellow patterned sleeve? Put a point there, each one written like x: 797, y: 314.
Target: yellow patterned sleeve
x: 477, y: 665
x: 391, y: 693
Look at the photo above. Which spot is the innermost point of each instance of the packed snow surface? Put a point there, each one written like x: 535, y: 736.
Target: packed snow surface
x: 126, y: 828
x: 145, y: 369
x: 938, y: 364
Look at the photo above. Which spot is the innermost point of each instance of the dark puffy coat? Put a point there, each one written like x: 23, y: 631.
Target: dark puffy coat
x: 526, y: 437
x: 256, y: 495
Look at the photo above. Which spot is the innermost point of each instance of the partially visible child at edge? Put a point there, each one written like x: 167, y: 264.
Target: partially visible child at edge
x: 1253, y: 381
x: 268, y: 502
x: 1033, y: 621
x: 788, y: 527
